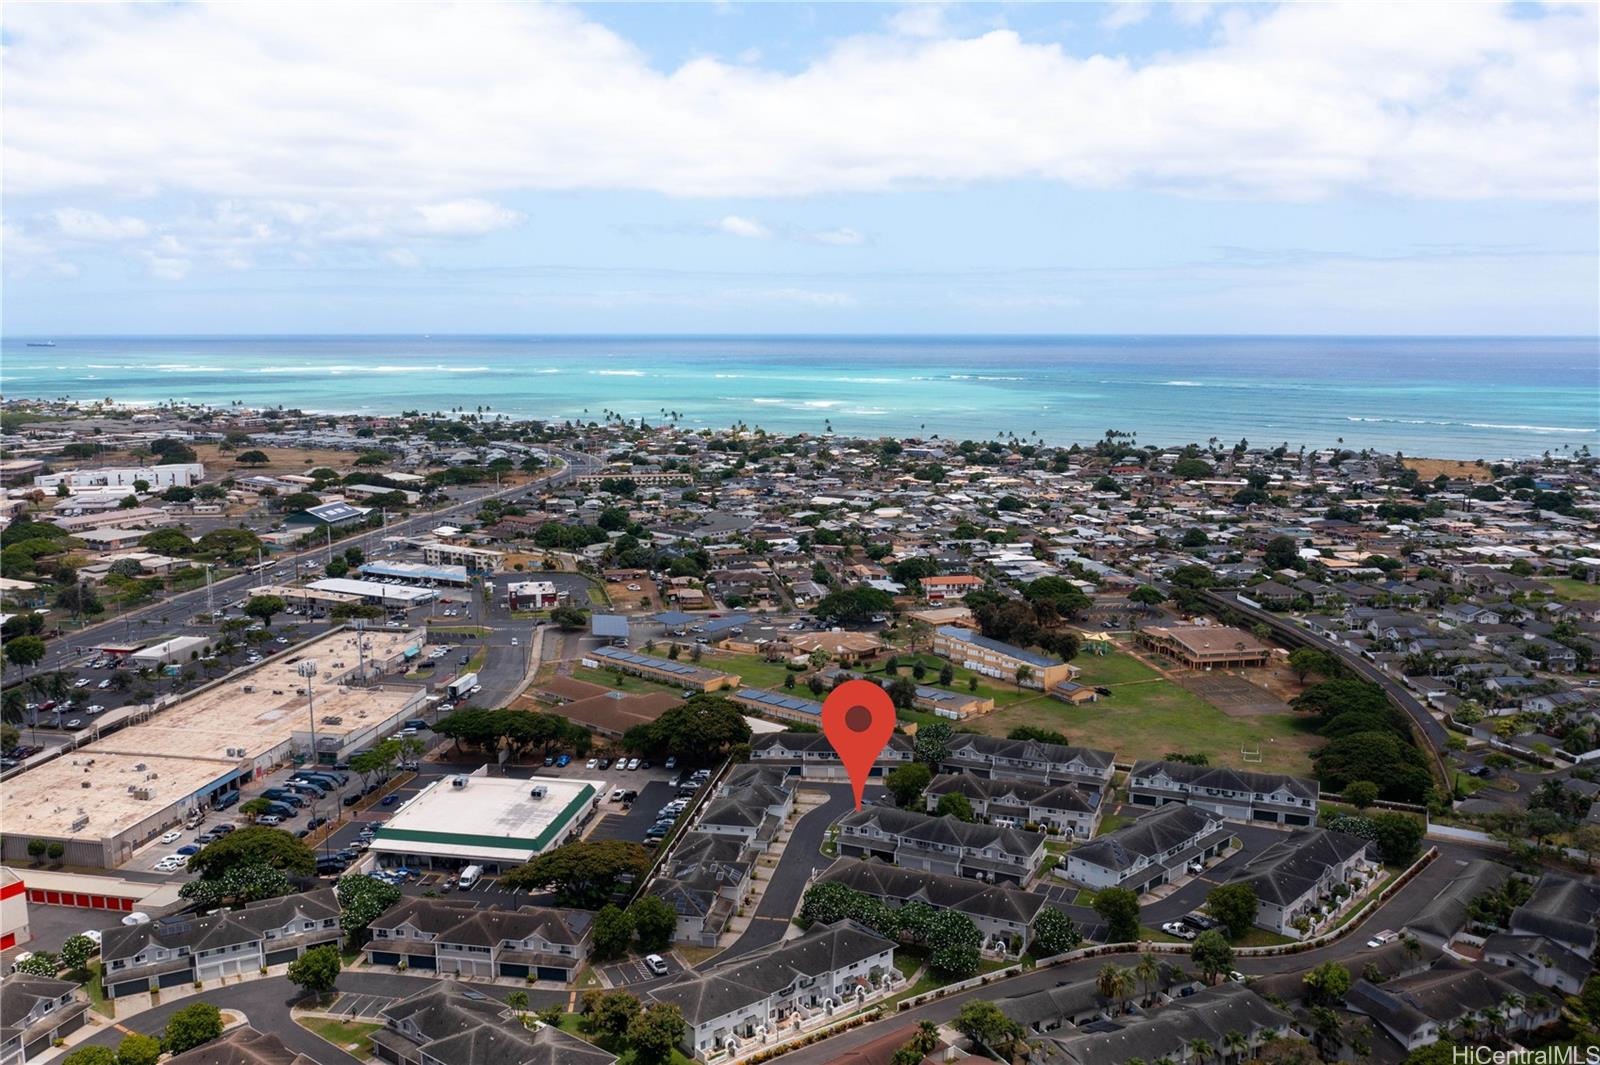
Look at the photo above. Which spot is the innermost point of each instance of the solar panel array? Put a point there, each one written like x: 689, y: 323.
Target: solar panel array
x: 617, y: 654
x: 783, y: 702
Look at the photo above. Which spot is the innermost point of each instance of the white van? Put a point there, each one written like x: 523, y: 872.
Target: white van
x: 469, y: 877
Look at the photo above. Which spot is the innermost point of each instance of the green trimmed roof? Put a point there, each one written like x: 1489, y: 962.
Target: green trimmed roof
x: 469, y: 839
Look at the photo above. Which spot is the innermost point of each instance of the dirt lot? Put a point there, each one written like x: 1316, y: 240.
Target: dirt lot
x: 629, y: 601
x: 284, y: 460
x: 1231, y: 693
x: 1431, y: 468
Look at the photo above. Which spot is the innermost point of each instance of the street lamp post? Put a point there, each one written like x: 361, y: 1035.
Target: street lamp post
x: 308, y: 672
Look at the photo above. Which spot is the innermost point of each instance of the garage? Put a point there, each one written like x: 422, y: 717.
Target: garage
x: 550, y: 972
x: 279, y: 957
x: 514, y: 971
x: 174, y: 979
x: 128, y: 987
x: 385, y: 957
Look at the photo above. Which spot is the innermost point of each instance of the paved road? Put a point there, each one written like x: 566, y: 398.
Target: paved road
x: 61, y: 651
x: 1392, y: 914
x: 801, y: 857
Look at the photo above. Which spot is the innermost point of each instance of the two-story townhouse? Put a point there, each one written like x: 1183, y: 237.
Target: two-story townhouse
x: 465, y: 938
x: 765, y: 995
x: 704, y: 880
x: 809, y: 755
x: 1421, y: 1009
x: 942, y: 844
x: 1170, y: 1032
x: 242, y: 1046
x: 1152, y: 851
x: 448, y: 1024
x: 1238, y: 794
x: 998, y: 757
x: 1295, y: 876
x: 1078, y: 1003
x: 35, y: 1011
x: 171, y: 951
x: 1004, y: 915
x: 1069, y: 808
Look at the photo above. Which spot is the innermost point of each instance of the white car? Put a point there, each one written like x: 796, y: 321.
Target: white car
x: 633, y: 587
x: 657, y: 964
x: 593, y: 763
x: 633, y: 763
x: 92, y: 936
x: 103, y: 685
x: 136, y: 917
x: 171, y: 837
x: 96, y: 708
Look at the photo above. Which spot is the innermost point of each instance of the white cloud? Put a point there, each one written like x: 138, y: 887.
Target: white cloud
x: 749, y: 228
x: 404, y: 258
x: 837, y: 237
x: 458, y: 104
x: 1125, y: 13
x: 74, y: 223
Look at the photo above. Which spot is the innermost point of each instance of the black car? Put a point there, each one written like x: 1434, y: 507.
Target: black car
x: 351, y: 800
x: 1201, y: 922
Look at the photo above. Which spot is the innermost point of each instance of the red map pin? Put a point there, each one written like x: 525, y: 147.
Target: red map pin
x: 858, y: 719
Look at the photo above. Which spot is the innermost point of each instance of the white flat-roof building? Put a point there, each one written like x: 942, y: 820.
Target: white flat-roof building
x: 182, y: 474
x: 395, y: 595
x: 495, y: 822
x: 534, y: 595
x: 175, y: 651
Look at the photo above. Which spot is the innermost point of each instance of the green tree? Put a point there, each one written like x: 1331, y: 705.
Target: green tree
x: 1304, y: 661
x: 316, y: 971
x: 1054, y: 933
x: 1057, y: 596
x: 1327, y: 983
x: 698, y: 730
x: 1211, y: 954
x: 1145, y: 595
x: 1281, y: 553
x: 43, y: 963
x: 90, y: 1055
x: 76, y: 952
x: 194, y: 1025
x: 655, y: 1032
x: 1398, y: 836
x: 1361, y: 793
x: 254, y: 808
x: 954, y: 804
x: 252, y: 458
x: 1119, y: 908
x: 906, y: 784
x: 361, y: 900
x: 608, y: 1013
x: 654, y: 921
x: 953, y: 944
x: 613, y: 930
x: 827, y: 902
x: 272, y: 846
x: 136, y: 1049
x: 853, y: 606
x: 987, y: 1025
x: 1235, y: 905
x: 932, y: 743
x: 24, y: 651
x: 263, y: 607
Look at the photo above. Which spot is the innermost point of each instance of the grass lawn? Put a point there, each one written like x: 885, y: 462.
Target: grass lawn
x: 353, y: 1037
x: 1002, y: 694
x: 1156, y: 935
x: 624, y: 1053
x: 1111, y: 822
x: 1147, y: 716
x: 752, y: 670
x: 97, y: 992
x: 1260, y: 937
x: 630, y: 684
x: 696, y: 956
x: 1567, y: 588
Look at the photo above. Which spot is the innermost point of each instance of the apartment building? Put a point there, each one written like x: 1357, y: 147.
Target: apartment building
x: 177, y: 474
x: 449, y: 1024
x: 810, y: 756
x: 1238, y: 794
x: 35, y: 1011
x: 1003, y: 914
x: 1003, y: 759
x: 1296, y: 876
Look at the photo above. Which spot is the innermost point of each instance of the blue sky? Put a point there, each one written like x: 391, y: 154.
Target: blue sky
x: 1122, y: 168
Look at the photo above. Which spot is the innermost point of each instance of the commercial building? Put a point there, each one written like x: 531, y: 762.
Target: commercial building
x: 178, y: 950
x: 176, y: 651
x: 177, y: 474
x: 661, y: 670
x: 312, y: 598
x: 461, y: 937
x: 809, y: 755
x: 417, y: 572
x: 941, y: 844
x: 495, y: 822
x: 1152, y: 851
x: 52, y: 887
x: 106, y: 798
x: 534, y: 595
x: 14, y: 928
x: 1205, y: 646
x: 947, y: 589
x: 767, y: 995
x: 473, y: 559
x: 1239, y: 794
x: 394, y: 596
x: 329, y: 515
x: 1027, y: 669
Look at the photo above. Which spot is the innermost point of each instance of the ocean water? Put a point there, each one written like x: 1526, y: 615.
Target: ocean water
x: 1447, y: 397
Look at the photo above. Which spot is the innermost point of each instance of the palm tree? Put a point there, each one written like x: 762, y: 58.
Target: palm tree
x: 1147, y: 972
x: 1236, y: 1043
x: 518, y: 1000
x: 1201, y: 1049
x: 1108, y: 981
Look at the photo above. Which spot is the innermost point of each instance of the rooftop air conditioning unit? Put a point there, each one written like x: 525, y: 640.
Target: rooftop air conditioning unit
x: 458, y: 782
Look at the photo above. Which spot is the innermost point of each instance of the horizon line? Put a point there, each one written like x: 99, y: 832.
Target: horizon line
x: 418, y: 334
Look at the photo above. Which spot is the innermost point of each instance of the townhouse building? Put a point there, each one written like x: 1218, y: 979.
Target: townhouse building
x: 1152, y: 851
x: 1170, y: 1031
x: 1423, y: 1008
x: 1237, y: 794
x: 35, y: 1011
x: 942, y: 844
x: 766, y: 995
x: 1070, y: 809
x: 448, y: 1024
x: 177, y: 950
x: 1296, y: 876
x: 704, y: 880
x: 809, y: 755
x: 464, y: 938
x: 1004, y: 915
x: 1003, y: 759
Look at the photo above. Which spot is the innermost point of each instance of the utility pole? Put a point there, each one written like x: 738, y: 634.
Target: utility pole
x: 308, y: 672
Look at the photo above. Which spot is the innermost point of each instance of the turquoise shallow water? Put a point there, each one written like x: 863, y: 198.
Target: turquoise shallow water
x: 1451, y: 397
